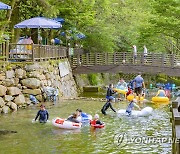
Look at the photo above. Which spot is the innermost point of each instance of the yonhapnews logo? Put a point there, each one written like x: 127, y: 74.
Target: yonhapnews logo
x: 123, y: 139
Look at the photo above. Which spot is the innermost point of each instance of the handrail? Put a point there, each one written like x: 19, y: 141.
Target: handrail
x: 126, y: 58
x: 34, y: 52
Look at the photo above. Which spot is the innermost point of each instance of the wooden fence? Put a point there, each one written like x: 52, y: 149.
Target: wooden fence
x: 31, y: 52
x: 175, y: 127
x: 118, y: 58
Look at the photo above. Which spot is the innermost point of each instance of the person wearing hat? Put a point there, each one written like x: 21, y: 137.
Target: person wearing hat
x: 139, y: 85
x: 107, y: 105
x: 131, y: 105
x: 42, y: 114
x: 96, y: 120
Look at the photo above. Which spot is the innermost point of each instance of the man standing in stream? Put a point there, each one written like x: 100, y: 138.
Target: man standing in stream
x: 138, y: 86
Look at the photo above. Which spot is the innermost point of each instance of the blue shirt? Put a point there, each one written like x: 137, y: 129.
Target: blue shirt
x: 138, y: 81
x: 43, y: 115
x: 167, y: 86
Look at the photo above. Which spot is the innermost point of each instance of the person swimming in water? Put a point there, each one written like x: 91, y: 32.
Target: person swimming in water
x: 42, y: 114
x: 131, y: 105
x: 107, y: 105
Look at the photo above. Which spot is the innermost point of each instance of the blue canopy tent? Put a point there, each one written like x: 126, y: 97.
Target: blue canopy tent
x: 81, y: 36
x: 39, y: 22
x: 4, y: 6
x: 61, y: 20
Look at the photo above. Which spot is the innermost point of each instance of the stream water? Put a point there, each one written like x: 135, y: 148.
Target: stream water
x: 45, y: 138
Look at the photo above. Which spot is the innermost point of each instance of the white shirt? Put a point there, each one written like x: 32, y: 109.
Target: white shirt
x: 135, y: 50
x: 145, y: 51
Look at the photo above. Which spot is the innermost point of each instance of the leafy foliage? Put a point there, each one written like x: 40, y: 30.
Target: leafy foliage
x: 109, y: 25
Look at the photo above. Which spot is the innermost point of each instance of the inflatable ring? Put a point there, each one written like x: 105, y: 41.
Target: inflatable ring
x: 62, y: 123
x: 160, y: 99
x: 97, y: 125
x: 143, y: 113
x: 85, y: 118
x: 119, y: 91
x: 131, y: 97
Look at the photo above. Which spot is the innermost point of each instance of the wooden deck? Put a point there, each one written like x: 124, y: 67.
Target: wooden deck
x: 32, y: 52
x: 175, y: 126
x: 153, y: 63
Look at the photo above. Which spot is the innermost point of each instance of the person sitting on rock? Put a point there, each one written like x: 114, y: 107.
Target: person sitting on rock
x: 42, y: 114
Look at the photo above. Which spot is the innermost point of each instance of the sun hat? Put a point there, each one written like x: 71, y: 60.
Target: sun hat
x: 96, y: 116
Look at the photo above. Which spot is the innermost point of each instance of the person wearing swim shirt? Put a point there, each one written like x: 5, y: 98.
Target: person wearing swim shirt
x: 139, y: 85
x: 42, y: 114
x: 73, y: 118
x: 107, y: 105
x: 110, y: 92
x: 131, y: 105
x: 96, y: 120
x: 161, y: 93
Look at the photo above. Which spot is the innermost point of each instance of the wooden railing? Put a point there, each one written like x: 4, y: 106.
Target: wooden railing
x: 123, y: 58
x: 32, y: 52
x: 175, y: 127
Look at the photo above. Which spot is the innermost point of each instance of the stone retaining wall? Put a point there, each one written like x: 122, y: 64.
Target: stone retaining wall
x: 17, y: 83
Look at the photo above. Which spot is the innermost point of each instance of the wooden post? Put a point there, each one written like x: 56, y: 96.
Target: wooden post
x: 172, y: 60
x: 142, y: 58
x: 87, y: 58
x: 7, y: 50
x: 39, y: 52
x: 78, y: 59
x: 153, y: 57
x: 175, y: 127
x: 174, y: 104
x: 114, y: 57
x: 162, y: 59
x: 95, y: 58
x: 32, y: 53
x: 106, y: 58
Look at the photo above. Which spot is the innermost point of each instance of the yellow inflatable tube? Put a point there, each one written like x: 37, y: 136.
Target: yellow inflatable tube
x: 160, y: 99
x: 131, y: 97
x: 119, y: 91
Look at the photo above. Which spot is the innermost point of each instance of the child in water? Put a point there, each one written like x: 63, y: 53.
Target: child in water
x: 42, y: 114
x: 110, y: 91
x: 73, y: 118
x: 96, y: 120
x: 131, y: 105
x: 107, y: 105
